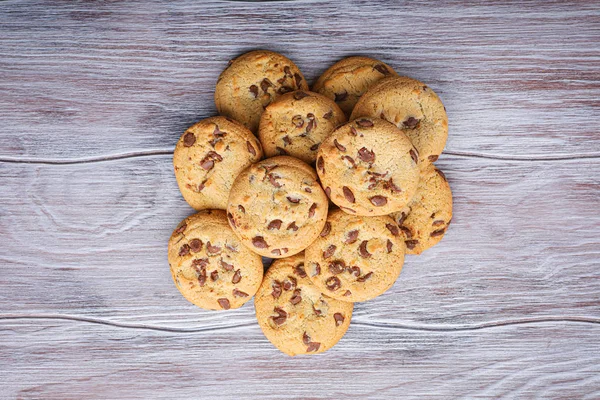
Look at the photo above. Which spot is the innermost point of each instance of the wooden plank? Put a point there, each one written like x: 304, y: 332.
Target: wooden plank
x: 72, y: 360
x: 90, y: 80
x: 90, y: 240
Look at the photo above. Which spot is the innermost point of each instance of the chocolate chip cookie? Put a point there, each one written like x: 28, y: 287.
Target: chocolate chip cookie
x: 277, y: 207
x: 348, y: 79
x: 427, y: 217
x: 252, y: 81
x: 296, y: 123
x: 209, y: 265
x: 209, y: 156
x: 368, y: 167
x: 293, y: 313
x: 414, y: 108
x: 355, y: 258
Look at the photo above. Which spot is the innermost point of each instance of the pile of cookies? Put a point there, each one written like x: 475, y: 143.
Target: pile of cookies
x: 282, y: 174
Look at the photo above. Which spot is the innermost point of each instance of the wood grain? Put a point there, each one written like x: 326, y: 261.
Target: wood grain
x: 94, y: 95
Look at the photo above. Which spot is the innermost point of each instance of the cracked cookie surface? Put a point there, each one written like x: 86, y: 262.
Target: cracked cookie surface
x: 368, y: 167
x: 277, y: 207
x: 355, y: 258
x: 348, y: 79
x: 209, y: 156
x: 252, y: 81
x: 427, y: 217
x: 293, y: 313
x: 209, y: 265
x: 414, y: 108
x: 296, y: 123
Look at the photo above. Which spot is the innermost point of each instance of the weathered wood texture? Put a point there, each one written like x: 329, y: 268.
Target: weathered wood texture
x: 93, y: 96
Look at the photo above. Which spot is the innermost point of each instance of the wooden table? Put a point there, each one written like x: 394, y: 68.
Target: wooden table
x: 93, y: 97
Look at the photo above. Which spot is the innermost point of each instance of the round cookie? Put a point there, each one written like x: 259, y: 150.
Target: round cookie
x: 356, y: 258
x: 209, y: 265
x: 427, y: 216
x: 277, y: 207
x: 348, y: 79
x: 209, y: 156
x: 293, y: 313
x: 368, y: 167
x: 413, y: 107
x: 296, y: 123
x: 252, y: 81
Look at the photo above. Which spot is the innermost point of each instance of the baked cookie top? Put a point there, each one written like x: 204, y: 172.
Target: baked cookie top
x: 427, y: 217
x: 277, y: 207
x: 252, y: 81
x: 209, y: 156
x: 355, y: 258
x: 348, y: 79
x: 209, y: 265
x: 293, y: 313
x: 368, y: 167
x: 414, y: 108
x: 296, y: 123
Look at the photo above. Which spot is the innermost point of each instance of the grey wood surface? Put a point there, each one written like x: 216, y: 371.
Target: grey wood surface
x: 93, y: 97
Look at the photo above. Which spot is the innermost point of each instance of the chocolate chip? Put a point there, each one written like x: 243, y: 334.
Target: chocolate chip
x: 317, y: 270
x: 351, y: 237
x: 287, y: 140
x: 293, y: 199
x: 209, y: 160
x: 254, y: 90
x: 378, y: 201
x: 313, y: 346
x: 432, y: 158
x: 224, y: 303
x: 382, y: 68
x: 299, y: 270
x: 212, y: 249
x: 326, y: 229
x: 439, y: 232
x: 329, y: 252
x: 365, y: 123
x: 296, y: 298
x: 275, y: 224
x: 389, y: 246
x: 311, y: 210
x: 348, y: 194
x: 328, y: 114
x: 299, y: 95
x: 406, y: 231
x: 328, y: 191
x: 276, y: 289
x: 393, y: 229
x: 341, y: 96
x: 339, y: 318
x: 195, y: 245
x: 237, y: 277
x: 184, y: 250
x: 355, y: 270
x: 308, y: 190
x: 411, y: 123
x: 312, y: 123
x: 364, y: 277
x: 281, y: 151
x: 392, y: 186
x: 189, y: 139
x: 338, y: 145
x: 202, y: 278
x: 276, y: 252
x: 231, y: 219
x: 350, y: 160
x: 285, y: 89
x: 305, y: 338
x: 265, y: 84
x: 353, y: 131
x: 438, y: 222
x: 314, y: 147
x: 402, y: 218
x: 239, y: 293
x: 259, y: 242
x: 226, y: 266
x: 207, y: 164
x: 287, y: 71
x: 414, y: 156
x: 202, y: 263
x: 251, y: 149
x: 298, y: 79
x: 289, y: 283
x: 336, y: 267
x: 321, y: 164
x: 317, y: 312
x: 333, y: 283
x: 181, y: 228
x: 410, y: 244
x: 366, y: 155
x: 298, y: 121
x: 292, y: 226
x: 214, y: 275
x: 362, y: 249
x: 281, y: 316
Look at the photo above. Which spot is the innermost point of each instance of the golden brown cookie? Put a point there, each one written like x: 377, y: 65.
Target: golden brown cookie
x: 296, y: 123
x: 209, y: 156
x: 355, y: 258
x: 368, y: 167
x: 293, y: 313
x: 209, y: 265
x: 277, y: 207
x: 252, y: 81
x: 348, y: 79
x: 414, y: 108
x: 427, y: 216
